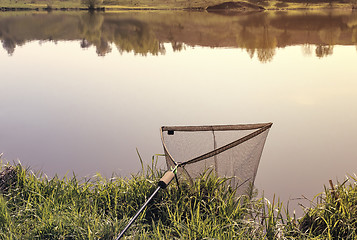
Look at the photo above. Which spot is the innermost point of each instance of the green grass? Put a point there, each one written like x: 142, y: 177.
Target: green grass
x: 33, y: 206
x: 334, y: 215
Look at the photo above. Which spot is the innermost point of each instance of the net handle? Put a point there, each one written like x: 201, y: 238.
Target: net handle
x: 216, y: 127
x: 263, y: 128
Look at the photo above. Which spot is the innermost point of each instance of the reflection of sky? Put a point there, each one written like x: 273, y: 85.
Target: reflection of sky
x: 63, y: 108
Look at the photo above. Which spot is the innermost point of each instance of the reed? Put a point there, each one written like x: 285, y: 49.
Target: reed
x: 33, y: 206
x: 334, y: 215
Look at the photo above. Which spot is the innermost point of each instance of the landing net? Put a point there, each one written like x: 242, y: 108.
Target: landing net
x: 232, y: 151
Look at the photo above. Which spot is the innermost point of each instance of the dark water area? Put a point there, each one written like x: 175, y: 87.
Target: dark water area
x: 80, y: 92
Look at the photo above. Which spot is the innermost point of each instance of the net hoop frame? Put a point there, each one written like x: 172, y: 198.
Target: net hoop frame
x: 261, y: 127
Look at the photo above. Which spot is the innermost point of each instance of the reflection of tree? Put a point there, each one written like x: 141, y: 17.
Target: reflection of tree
x: 133, y: 35
x: 85, y: 43
x: 9, y: 45
x: 307, y: 49
x: 324, y: 50
x: 251, y: 52
x: 8, y: 42
x: 354, y: 35
x: 265, y: 54
x: 330, y: 35
x: 267, y: 45
x: 177, y: 46
x: 127, y: 34
x: 257, y: 39
x: 17, y: 29
x: 284, y: 38
x: 258, y: 33
x: 103, y: 48
x: 90, y: 26
x: 247, y: 40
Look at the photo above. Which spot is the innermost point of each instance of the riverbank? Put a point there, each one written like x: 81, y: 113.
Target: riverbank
x: 32, y: 206
x: 200, y: 5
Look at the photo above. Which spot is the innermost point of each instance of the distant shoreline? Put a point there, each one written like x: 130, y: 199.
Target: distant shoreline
x: 237, y: 6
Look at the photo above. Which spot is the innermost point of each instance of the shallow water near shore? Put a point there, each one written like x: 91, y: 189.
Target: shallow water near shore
x: 80, y: 92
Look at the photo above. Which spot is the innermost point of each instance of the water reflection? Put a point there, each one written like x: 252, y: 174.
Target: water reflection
x: 145, y: 33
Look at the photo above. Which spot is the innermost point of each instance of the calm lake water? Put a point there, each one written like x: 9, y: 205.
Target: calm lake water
x: 80, y: 92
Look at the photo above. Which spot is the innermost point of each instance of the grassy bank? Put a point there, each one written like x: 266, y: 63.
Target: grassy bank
x: 33, y: 206
x: 118, y: 5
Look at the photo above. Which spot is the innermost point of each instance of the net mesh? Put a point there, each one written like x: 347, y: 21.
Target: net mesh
x: 232, y: 151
